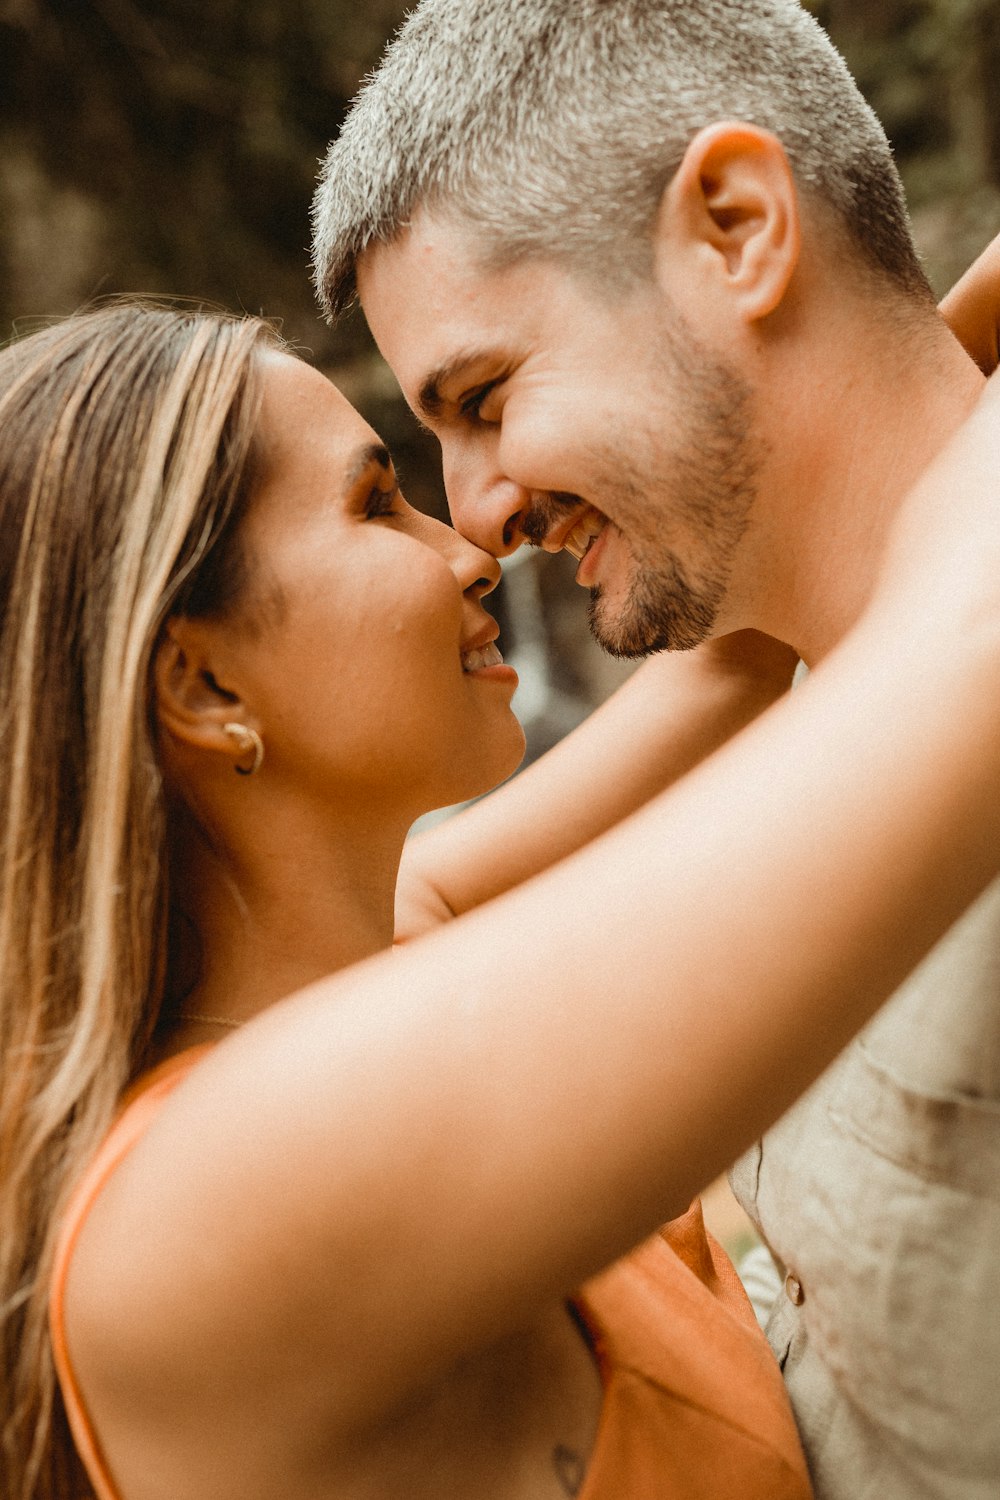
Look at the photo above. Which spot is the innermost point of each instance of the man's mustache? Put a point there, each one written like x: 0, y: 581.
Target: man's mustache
x: 536, y: 521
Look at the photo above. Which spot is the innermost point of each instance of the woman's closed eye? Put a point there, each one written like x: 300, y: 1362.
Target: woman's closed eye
x: 382, y: 502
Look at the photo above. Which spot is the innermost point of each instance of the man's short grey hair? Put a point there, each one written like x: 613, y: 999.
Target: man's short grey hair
x: 551, y: 128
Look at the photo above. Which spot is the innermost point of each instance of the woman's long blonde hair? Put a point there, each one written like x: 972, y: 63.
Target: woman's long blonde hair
x: 126, y: 440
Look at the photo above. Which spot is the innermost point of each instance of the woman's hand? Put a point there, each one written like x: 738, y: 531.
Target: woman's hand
x: 972, y: 309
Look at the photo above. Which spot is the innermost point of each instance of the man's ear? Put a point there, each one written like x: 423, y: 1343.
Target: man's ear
x: 731, y: 212
x: 191, y: 702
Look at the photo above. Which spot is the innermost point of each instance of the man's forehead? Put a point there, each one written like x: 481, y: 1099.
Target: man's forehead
x: 426, y: 245
x: 435, y: 311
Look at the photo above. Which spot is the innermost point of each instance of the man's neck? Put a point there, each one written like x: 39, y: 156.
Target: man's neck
x: 859, y: 430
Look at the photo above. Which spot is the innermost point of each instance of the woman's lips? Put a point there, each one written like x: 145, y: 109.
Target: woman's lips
x: 481, y: 656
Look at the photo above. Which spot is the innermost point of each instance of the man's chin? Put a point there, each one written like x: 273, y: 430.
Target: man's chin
x: 631, y: 633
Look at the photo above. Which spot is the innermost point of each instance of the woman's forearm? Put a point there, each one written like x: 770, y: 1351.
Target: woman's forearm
x: 675, y: 710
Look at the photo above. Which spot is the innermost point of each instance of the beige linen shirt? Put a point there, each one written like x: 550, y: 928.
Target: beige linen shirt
x: 879, y: 1193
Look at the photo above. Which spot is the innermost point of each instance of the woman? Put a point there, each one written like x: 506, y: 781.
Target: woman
x: 331, y: 1254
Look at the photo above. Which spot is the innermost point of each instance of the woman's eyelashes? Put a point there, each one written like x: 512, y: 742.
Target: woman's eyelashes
x: 382, y: 502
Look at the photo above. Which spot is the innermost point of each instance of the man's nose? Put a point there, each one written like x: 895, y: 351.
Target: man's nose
x: 486, y: 506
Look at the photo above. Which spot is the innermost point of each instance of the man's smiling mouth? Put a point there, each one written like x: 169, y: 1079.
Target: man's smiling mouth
x: 562, y: 522
x: 580, y: 538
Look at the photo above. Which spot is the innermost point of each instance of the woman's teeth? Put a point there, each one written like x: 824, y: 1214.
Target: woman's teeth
x: 485, y: 656
x: 590, y: 524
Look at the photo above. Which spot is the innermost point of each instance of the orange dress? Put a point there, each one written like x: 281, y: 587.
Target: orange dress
x: 694, y: 1406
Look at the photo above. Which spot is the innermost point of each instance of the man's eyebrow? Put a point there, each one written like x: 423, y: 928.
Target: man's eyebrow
x: 372, y: 453
x: 430, y: 401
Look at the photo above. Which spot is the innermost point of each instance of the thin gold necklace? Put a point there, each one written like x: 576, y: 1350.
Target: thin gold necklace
x: 190, y: 1015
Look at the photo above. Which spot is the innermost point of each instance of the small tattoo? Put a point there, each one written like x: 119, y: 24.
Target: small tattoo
x: 570, y: 1468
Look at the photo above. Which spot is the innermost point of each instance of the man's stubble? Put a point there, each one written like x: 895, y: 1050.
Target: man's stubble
x: 685, y: 512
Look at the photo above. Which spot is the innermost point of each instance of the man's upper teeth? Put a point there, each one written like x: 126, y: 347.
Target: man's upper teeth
x: 482, y: 656
x: 579, y: 539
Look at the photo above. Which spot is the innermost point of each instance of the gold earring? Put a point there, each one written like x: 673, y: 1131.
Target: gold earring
x: 247, y: 741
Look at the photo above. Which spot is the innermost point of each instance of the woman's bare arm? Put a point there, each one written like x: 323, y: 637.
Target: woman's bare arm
x: 397, y: 1166
x: 676, y: 709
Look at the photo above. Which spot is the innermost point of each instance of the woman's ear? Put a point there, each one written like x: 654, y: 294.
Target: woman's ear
x: 731, y: 214
x: 191, y: 703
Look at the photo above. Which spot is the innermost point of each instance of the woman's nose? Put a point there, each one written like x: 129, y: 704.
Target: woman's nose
x: 478, y: 571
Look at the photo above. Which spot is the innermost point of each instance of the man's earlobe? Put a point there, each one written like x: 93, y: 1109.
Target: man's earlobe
x: 732, y: 209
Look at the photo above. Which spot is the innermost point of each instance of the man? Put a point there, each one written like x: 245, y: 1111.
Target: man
x: 645, y: 270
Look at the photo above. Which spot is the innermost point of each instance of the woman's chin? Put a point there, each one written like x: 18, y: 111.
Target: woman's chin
x: 491, y: 772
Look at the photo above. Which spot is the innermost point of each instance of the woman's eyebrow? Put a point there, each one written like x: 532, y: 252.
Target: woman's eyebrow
x: 376, y: 454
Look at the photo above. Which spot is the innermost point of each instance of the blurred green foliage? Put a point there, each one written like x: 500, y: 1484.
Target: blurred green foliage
x: 191, y: 132
x: 931, y: 71
x: 170, y: 146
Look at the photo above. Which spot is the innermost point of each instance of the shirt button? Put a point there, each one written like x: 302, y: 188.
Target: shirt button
x: 794, y: 1290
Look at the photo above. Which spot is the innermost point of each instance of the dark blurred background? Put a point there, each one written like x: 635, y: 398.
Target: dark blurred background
x: 170, y: 146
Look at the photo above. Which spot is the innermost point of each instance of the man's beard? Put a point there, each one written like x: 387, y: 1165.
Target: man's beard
x: 664, y: 611
x: 707, y: 495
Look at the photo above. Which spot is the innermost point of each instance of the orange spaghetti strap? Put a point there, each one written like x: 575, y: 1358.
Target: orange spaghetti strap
x: 140, y: 1107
